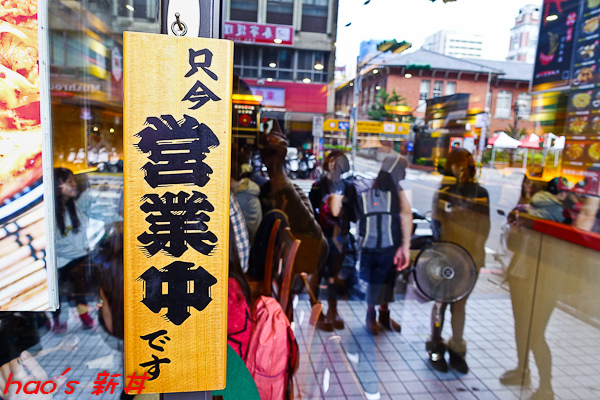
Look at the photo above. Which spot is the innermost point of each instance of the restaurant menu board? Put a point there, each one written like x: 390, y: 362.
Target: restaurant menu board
x: 586, y: 65
x: 555, y: 45
x: 23, y: 229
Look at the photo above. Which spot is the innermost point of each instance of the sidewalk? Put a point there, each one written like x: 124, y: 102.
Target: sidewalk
x: 351, y: 364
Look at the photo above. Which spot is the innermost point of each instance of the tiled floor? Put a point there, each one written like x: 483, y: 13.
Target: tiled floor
x: 351, y: 364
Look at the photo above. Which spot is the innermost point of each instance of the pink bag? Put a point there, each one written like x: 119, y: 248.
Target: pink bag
x: 273, y: 352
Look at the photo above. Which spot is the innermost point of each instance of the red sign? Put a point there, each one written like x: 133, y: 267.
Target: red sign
x: 258, y: 33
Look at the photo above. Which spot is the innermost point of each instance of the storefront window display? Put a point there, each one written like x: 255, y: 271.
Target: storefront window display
x: 502, y: 160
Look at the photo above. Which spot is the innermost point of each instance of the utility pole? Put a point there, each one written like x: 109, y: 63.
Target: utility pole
x: 383, y: 47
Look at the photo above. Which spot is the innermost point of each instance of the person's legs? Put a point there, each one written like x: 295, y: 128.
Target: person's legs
x: 368, y: 264
x: 435, y: 345
x: 387, y: 295
x: 521, y: 300
x: 81, y: 286
x: 457, y: 346
x: 335, y: 264
x: 544, y: 305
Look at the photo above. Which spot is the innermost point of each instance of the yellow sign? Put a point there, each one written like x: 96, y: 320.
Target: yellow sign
x: 177, y: 161
x: 368, y: 126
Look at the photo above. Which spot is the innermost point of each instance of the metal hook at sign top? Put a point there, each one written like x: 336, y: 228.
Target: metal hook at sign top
x: 202, y: 18
x: 180, y: 24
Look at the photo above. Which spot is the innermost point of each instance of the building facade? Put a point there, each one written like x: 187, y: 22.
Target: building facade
x: 524, y: 35
x: 497, y: 89
x: 455, y: 44
x: 290, y: 72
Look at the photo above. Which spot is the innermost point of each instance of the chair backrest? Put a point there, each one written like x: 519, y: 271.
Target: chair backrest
x: 284, y: 255
x: 268, y: 271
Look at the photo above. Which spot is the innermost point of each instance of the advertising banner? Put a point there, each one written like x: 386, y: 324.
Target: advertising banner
x: 555, y: 45
x: 25, y: 221
x: 176, y: 181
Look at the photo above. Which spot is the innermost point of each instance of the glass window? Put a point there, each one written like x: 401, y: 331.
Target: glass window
x: 503, y: 104
x: 305, y: 59
x: 314, y: 15
x: 524, y: 102
x: 424, y: 89
x: 438, y: 87
x: 450, y: 88
x: 244, y: 10
x: 280, y: 12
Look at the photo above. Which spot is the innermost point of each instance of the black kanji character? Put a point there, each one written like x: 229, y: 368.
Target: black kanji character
x: 177, y: 151
x: 200, y: 97
x: 176, y: 222
x: 151, y: 337
x: 186, y: 287
x: 205, y: 65
x: 154, y: 365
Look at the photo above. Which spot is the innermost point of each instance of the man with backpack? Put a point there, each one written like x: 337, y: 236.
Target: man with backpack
x: 333, y: 201
x: 385, y: 229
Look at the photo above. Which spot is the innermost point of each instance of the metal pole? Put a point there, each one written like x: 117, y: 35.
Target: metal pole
x: 354, y: 113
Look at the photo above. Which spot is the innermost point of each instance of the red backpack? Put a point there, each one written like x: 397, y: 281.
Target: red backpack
x: 272, y: 355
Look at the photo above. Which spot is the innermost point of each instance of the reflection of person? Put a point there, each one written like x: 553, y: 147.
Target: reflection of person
x: 530, y: 326
x: 548, y: 204
x: 280, y: 193
x: 72, y: 248
x: 588, y: 216
x: 460, y: 215
x: 330, y: 198
x: 385, y: 233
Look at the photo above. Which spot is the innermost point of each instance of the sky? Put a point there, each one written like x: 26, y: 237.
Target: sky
x: 414, y: 20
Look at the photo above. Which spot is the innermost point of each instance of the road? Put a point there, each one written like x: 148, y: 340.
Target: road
x: 420, y: 186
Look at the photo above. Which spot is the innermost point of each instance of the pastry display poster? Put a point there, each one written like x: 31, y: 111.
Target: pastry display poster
x: 23, y: 217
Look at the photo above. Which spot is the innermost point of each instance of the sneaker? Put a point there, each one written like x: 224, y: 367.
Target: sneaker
x: 87, y: 321
x: 336, y: 320
x: 516, y: 377
x: 458, y: 362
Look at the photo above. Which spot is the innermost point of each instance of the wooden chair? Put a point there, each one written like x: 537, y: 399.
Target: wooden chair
x: 279, y: 283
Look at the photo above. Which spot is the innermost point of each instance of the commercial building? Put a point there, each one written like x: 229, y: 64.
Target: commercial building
x: 284, y: 49
x: 455, y: 44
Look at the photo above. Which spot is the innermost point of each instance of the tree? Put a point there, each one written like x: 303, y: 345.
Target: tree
x: 519, y: 134
x: 378, y: 110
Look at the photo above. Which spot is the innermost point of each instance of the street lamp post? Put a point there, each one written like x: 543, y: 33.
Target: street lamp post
x: 383, y: 47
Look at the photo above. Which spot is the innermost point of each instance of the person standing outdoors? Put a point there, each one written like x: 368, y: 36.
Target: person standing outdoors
x: 385, y: 231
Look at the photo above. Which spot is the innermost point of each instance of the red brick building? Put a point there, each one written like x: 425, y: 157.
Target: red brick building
x: 493, y: 86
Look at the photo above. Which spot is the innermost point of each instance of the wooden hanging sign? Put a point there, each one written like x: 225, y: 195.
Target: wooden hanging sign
x: 177, y: 128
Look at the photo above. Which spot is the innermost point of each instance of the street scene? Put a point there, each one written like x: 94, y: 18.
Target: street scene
x: 299, y: 199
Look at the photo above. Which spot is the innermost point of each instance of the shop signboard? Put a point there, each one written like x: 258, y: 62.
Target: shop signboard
x: 397, y: 128
x: 27, y: 262
x: 177, y: 109
x: 271, y: 96
x: 281, y: 35
x: 555, y: 45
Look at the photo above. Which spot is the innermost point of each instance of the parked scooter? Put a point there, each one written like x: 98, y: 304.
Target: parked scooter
x: 308, y: 163
x: 292, y: 164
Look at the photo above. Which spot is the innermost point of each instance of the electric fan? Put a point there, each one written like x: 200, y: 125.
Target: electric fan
x: 443, y: 271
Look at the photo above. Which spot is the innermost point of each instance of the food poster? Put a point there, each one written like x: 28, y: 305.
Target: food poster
x: 555, y: 45
x: 23, y: 217
x: 586, y: 65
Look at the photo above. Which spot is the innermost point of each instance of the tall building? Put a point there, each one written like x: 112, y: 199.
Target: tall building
x: 524, y: 35
x: 284, y: 49
x: 455, y: 44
